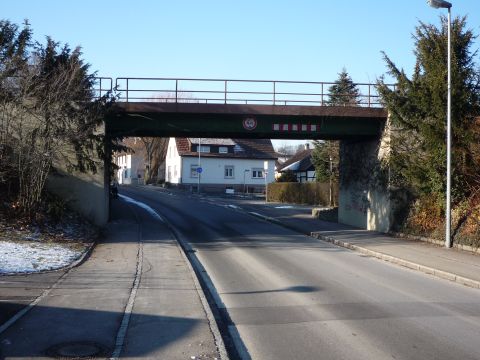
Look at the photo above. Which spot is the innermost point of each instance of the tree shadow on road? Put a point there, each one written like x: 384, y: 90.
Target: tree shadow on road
x: 296, y: 289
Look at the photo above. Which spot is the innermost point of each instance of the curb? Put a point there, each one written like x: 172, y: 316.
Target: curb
x: 275, y: 221
x: 405, y: 263
x: 198, y: 272
x: 392, y: 259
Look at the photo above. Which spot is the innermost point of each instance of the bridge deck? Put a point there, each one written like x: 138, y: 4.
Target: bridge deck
x: 244, y: 120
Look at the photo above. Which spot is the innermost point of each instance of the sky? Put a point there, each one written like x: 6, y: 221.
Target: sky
x: 301, y: 40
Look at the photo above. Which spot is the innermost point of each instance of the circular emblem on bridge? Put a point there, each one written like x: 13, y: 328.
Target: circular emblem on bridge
x: 249, y: 123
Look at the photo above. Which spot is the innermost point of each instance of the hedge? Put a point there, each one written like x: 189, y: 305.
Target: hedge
x: 312, y: 193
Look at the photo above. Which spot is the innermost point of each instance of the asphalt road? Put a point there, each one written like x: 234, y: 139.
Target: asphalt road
x: 289, y: 296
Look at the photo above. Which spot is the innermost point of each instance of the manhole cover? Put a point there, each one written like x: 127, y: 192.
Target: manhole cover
x: 76, y: 350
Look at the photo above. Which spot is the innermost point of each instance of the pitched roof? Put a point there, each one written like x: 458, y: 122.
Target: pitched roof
x: 183, y: 145
x: 243, y: 149
x: 212, y: 141
x: 301, y: 161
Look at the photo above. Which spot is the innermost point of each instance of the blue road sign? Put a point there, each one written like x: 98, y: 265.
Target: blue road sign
x: 199, y: 170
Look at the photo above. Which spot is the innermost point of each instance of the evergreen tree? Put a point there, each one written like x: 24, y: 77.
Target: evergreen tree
x: 287, y: 176
x: 417, y: 108
x: 344, y: 92
x: 325, y: 157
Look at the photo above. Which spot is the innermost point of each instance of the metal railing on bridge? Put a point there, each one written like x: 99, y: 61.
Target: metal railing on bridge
x: 228, y: 91
x: 102, y: 86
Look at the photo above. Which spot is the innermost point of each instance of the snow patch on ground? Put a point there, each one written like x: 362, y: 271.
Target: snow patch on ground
x: 150, y: 210
x: 23, y: 257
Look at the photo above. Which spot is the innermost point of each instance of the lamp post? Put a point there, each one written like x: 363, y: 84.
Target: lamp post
x: 442, y: 4
x: 198, y: 167
x: 330, y: 187
x: 244, y: 183
x: 265, y: 174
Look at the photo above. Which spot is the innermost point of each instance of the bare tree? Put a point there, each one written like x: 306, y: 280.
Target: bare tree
x: 155, y: 152
x: 48, y: 115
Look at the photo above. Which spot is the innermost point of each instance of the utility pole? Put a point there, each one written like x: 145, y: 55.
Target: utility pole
x: 199, y: 167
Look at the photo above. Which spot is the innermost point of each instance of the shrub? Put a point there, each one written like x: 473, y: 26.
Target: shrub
x: 287, y: 176
x: 312, y: 193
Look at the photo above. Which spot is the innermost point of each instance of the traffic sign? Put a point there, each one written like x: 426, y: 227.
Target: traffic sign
x: 199, y: 170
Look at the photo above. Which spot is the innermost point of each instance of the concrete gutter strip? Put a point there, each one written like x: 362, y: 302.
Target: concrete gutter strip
x: 395, y: 260
x: 197, y: 270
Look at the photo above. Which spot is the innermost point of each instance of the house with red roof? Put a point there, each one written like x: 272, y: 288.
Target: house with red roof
x: 219, y: 165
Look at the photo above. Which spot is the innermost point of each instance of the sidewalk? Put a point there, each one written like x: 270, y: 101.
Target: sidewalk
x: 135, y: 297
x: 451, y: 264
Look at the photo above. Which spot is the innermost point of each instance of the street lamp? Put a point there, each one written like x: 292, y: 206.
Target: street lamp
x: 441, y: 4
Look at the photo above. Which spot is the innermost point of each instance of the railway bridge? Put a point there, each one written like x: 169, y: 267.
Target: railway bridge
x: 219, y: 108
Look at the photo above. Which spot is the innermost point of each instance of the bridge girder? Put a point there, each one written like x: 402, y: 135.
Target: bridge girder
x: 244, y: 121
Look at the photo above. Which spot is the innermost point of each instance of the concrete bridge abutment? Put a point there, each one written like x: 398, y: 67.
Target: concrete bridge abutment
x: 366, y: 199
x: 86, y: 193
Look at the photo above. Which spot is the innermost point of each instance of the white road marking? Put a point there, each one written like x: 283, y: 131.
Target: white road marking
x: 143, y: 206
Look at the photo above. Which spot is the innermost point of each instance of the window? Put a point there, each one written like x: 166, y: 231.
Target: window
x: 175, y: 171
x: 169, y: 173
x: 223, y: 150
x: 257, y: 173
x: 229, y: 174
x: 193, y: 171
x: 204, y: 148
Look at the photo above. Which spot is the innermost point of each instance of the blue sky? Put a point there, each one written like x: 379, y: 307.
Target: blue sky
x: 302, y: 40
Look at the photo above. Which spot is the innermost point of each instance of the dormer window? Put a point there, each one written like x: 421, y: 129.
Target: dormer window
x: 238, y: 149
x: 204, y: 148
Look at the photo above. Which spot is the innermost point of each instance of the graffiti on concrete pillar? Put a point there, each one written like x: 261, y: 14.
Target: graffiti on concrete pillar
x: 358, y: 202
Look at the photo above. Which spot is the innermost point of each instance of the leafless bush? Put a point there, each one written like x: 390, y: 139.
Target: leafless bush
x: 48, y: 114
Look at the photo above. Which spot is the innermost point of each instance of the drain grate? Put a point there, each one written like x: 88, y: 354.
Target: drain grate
x: 77, y: 350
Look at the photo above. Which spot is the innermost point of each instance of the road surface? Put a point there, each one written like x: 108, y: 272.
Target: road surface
x: 289, y: 296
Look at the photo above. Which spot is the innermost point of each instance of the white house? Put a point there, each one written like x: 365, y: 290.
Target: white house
x: 131, y: 169
x: 131, y: 166
x: 242, y: 165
